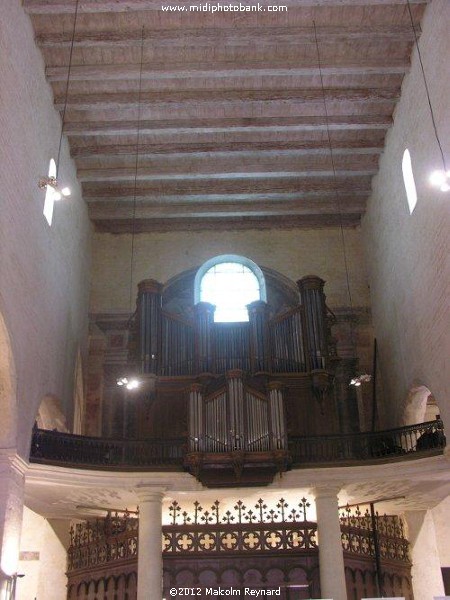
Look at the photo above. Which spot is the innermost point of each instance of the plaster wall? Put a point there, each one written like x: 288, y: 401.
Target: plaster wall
x: 43, y: 560
x: 441, y: 517
x: 426, y: 568
x: 43, y: 270
x: 294, y: 253
x: 408, y: 256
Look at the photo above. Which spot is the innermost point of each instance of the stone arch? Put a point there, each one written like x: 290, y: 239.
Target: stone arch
x: 50, y: 416
x: 8, y: 400
x: 420, y: 405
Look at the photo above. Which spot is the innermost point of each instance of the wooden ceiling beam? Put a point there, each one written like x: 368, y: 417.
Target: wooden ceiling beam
x: 148, y: 174
x: 54, y: 7
x: 250, y: 149
x: 185, y: 97
x: 220, y: 71
x: 244, y: 186
x: 225, y: 35
x: 124, y: 211
x: 242, y: 198
x: 221, y: 124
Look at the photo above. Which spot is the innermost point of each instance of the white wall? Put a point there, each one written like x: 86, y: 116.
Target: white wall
x: 408, y: 255
x: 441, y: 517
x: 43, y: 560
x: 294, y: 253
x: 43, y: 270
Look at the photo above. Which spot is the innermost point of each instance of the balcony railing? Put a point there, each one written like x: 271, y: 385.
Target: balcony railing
x: 64, y: 449
x: 368, y: 446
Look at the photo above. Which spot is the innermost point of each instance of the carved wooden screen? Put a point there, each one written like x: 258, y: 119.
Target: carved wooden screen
x: 258, y: 547
x: 359, y: 554
x: 239, y: 546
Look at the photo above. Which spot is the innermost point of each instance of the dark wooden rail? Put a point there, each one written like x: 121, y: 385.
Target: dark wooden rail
x: 65, y: 449
x: 360, y: 447
x: 53, y: 447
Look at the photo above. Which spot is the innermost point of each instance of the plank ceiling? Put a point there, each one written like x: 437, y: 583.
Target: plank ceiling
x: 232, y: 120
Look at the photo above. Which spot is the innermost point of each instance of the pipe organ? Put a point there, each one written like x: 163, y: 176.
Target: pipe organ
x: 235, y: 391
x: 236, y: 417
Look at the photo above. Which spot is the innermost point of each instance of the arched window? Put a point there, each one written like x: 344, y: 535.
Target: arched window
x: 50, y: 194
x: 408, y: 179
x: 229, y: 282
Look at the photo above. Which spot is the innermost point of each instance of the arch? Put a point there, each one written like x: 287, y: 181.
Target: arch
x: 8, y: 400
x: 50, y: 416
x: 231, y: 258
x: 231, y: 287
x: 420, y: 405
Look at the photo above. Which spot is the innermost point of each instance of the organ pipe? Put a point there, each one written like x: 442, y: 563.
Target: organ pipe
x: 313, y: 301
x: 149, y: 306
x: 196, y: 432
x: 279, y: 440
x: 204, y: 318
x: 258, y: 314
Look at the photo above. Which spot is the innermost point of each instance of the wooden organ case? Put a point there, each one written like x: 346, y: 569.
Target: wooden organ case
x: 235, y: 391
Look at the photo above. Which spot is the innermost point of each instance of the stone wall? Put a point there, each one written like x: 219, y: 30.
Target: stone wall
x: 408, y: 255
x: 294, y: 253
x: 44, y: 271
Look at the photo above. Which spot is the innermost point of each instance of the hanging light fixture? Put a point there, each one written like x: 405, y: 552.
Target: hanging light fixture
x: 133, y: 382
x: 439, y: 178
x: 360, y: 379
x: 364, y: 377
x: 52, y: 182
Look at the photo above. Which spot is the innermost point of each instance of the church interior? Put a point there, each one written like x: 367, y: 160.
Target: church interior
x: 224, y: 299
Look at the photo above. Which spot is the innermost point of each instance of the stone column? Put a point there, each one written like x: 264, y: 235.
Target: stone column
x: 150, y: 566
x: 11, y: 510
x: 331, y: 557
x: 426, y: 567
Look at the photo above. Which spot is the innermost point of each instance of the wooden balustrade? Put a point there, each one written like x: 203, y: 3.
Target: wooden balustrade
x: 64, y: 449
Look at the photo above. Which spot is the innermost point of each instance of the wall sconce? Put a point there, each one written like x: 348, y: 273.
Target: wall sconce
x: 360, y: 379
x: 58, y: 192
x: 129, y: 384
x: 441, y: 179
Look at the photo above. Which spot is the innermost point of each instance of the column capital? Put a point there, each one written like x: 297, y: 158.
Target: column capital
x: 234, y: 374
x: 310, y: 282
x: 196, y: 387
x: 330, y: 490
x: 150, y: 493
x: 275, y: 385
x: 150, y: 286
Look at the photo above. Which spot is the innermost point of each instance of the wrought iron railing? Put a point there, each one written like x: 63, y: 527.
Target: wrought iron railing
x: 55, y: 447
x: 65, y: 449
x: 368, y: 446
